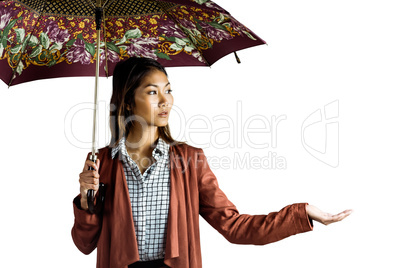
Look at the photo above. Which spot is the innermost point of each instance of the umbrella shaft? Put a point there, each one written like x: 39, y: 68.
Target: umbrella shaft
x: 96, y: 91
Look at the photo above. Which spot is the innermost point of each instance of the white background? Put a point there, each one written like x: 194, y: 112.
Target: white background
x: 319, y: 52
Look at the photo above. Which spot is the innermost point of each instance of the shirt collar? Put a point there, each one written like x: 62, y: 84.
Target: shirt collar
x: 161, y: 149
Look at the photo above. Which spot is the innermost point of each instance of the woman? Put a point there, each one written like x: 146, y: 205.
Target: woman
x: 157, y: 187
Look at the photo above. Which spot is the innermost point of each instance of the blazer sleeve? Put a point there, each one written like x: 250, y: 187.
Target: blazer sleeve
x: 86, y: 228
x: 238, y: 228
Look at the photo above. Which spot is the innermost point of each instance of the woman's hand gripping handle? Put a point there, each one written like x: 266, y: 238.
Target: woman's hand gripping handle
x: 89, y: 183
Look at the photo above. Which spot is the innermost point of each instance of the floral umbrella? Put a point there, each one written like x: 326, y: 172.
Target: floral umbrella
x: 62, y: 34
x: 67, y: 35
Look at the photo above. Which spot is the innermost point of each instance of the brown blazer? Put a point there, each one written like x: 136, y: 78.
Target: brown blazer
x: 194, y: 191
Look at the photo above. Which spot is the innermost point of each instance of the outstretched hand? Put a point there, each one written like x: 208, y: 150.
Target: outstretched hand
x: 326, y: 218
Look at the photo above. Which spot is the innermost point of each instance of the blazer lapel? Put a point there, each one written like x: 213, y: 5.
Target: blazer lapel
x: 172, y: 240
x: 124, y: 247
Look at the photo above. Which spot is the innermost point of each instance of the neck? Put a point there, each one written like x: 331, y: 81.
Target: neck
x: 141, y: 140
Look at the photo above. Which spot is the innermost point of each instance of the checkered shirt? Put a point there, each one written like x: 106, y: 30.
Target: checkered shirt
x: 150, y: 195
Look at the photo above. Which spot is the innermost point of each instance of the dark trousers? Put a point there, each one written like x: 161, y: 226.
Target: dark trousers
x: 148, y: 264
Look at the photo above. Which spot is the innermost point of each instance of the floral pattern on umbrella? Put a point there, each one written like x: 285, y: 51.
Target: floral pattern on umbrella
x: 29, y: 39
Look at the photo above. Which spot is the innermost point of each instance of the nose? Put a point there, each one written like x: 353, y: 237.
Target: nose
x: 163, y: 102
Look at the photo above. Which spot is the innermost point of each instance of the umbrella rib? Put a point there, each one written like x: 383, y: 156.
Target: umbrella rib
x: 108, y: 4
x: 181, y: 27
x: 90, y: 2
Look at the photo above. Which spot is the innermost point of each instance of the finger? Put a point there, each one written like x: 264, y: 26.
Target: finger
x: 97, y: 164
x: 86, y: 165
x: 340, y: 216
x: 84, y: 192
x: 85, y: 187
x: 89, y: 186
x: 94, y: 165
x: 90, y: 163
x: 345, y: 213
x: 348, y: 211
x: 89, y: 174
x: 88, y: 180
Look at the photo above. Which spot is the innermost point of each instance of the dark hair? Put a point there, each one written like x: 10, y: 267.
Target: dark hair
x: 127, y: 77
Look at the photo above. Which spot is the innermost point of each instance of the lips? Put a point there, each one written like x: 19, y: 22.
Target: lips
x: 163, y: 113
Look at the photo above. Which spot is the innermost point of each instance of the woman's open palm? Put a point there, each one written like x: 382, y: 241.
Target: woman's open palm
x: 326, y: 218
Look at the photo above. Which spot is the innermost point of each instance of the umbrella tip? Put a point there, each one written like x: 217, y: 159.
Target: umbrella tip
x: 237, y: 58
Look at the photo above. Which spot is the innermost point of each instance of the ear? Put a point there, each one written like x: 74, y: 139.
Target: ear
x: 128, y: 107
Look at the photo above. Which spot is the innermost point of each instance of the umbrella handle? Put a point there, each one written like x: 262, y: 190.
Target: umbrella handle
x: 92, y: 208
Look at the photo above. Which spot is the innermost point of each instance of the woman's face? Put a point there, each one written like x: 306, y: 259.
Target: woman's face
x: 153, y: 97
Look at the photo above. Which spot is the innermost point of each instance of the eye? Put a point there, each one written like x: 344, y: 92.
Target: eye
x: 169, y: 90
x: 150, y: 92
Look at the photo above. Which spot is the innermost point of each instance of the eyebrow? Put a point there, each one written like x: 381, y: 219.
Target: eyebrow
x: 153, y: 85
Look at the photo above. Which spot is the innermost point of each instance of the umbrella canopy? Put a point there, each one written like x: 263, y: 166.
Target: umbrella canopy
x: 61, y: 34
x: 60, y: 38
